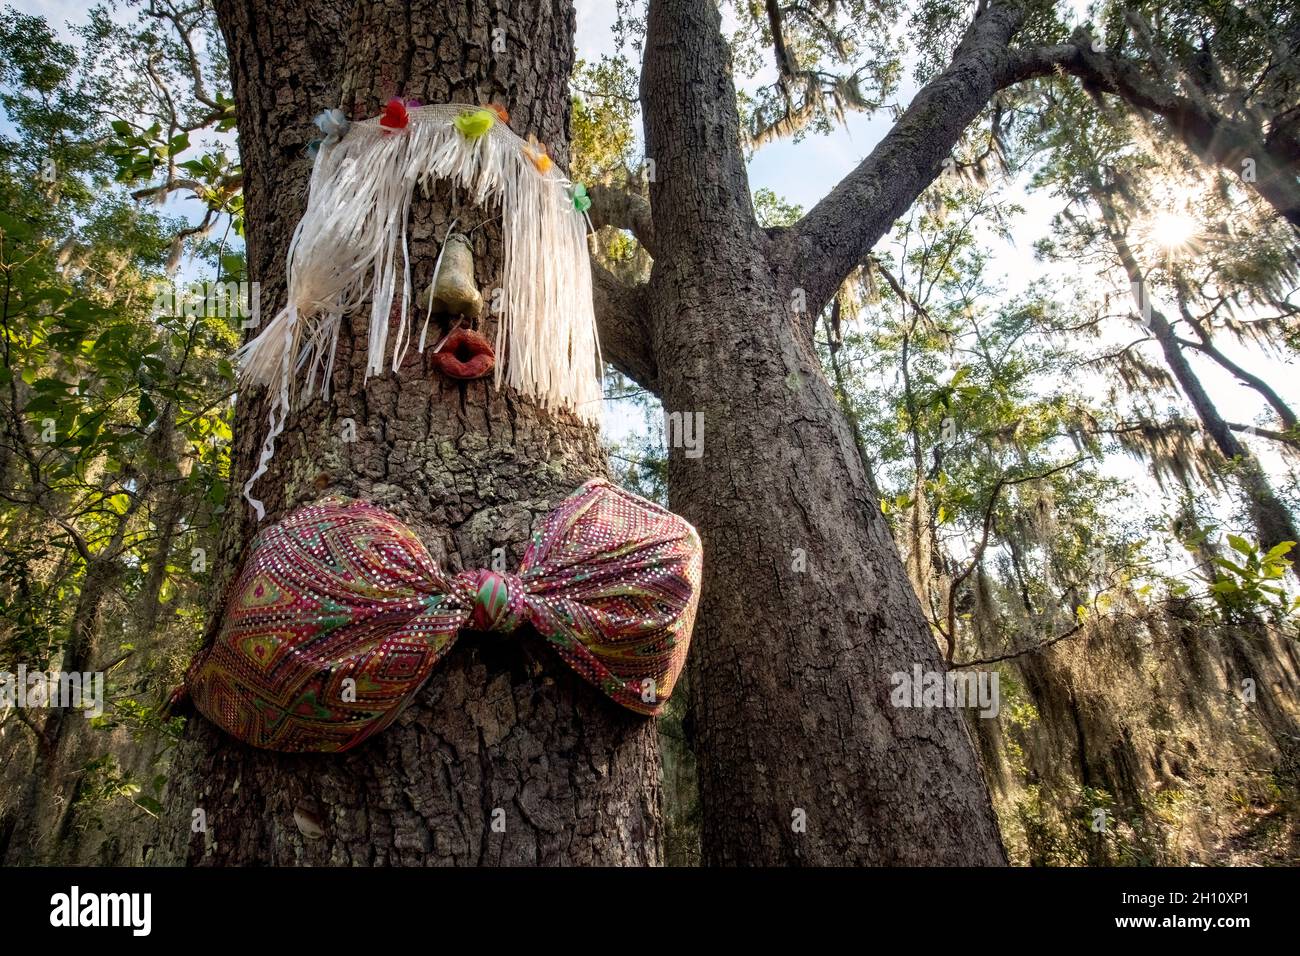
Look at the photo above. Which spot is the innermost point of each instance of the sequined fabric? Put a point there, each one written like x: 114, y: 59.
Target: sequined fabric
x: 339, y: 615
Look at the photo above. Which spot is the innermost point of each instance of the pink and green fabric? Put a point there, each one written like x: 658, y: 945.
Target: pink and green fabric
x: 339, y: 615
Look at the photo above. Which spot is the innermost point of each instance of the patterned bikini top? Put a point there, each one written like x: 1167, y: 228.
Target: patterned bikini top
x: 339, y: 615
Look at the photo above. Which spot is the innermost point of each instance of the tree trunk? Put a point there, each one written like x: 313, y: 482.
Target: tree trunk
x: 166, y: 519
x: 802, y: 758
x: 504, y: 732
x: 1269, y: 515
x: 42, y: 817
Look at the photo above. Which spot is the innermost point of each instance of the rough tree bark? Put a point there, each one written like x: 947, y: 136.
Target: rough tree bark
x: 501, y: 723
x: 790, y: 669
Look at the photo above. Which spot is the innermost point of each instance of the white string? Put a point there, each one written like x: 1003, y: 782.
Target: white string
x: 443, y: 341
x: 274, y: 427
x: 437, y: 268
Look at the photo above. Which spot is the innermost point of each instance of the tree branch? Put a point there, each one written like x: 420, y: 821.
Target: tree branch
x: 978, y: 554
x: 786, y: 64
x: 1036, y: 648
x: 623, y: 322
x: 839, y: 231
x: 42, y: 739
x: 184, y: 29
x: 226, y: 188
x: 623, y: 209
x: 1268, y: 433
x: 1211, y: 136
x: 1207, y: 347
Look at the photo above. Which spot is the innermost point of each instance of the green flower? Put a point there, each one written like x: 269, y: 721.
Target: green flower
x: 475, y: 123
x: 581, y: 201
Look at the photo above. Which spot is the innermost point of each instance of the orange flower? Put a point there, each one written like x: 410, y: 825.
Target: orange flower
x: 499, y: 110
x: 536, y: 153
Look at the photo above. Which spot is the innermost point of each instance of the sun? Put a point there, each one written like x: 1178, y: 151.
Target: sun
x: 1172, y: 229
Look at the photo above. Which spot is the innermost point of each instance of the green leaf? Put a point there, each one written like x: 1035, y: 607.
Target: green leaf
x: 1240, y: 545
x: 51, y: 385
x: 148, y: 412
x: 1234, y: 568
x: 43, y: 405
x: 1278, y: 550
x: 149, y: 803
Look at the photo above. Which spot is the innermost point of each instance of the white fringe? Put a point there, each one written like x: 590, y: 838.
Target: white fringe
x: 345, y: 251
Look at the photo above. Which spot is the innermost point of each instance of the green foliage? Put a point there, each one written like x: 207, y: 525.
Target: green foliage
x: 1250, y: 582
x: 638, y: 462
x: 771, y: 210
x: 142, y: 719
x: 105, y: 781
x: 114, y: 411
x: 603, y: 136
x: 958, y: 393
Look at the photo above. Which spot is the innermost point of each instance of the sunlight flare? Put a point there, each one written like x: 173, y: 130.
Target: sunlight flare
x: 1172, y: 230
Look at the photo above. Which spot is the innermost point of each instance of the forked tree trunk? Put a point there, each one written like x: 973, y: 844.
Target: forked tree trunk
x: 806, y: 611
x: 502, y: 724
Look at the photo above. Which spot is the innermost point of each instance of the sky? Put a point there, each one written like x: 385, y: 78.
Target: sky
x: 802, y: 173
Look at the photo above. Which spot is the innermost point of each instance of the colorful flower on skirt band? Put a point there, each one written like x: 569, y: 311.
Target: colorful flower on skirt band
x: 475, y: 123
x: 537, y: 154
x: 395, y: 115
x: 581, y: 201
x: 332, y: 123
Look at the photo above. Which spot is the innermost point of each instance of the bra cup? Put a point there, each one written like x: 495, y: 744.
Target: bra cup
x: 620, y: 596
x: 333, y: 625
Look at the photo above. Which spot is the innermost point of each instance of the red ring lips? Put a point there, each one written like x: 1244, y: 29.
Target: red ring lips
x: 465, y: 355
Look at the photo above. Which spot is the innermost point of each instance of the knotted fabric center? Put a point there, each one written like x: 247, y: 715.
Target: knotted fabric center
x: 497, y: 600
